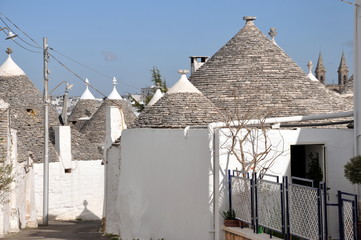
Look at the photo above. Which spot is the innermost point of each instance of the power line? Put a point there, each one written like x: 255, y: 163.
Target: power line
x: 92, y: 69
x: 27, y: 49
x: 348, y: 2
x: 38, y: 46
x: 75, y: 74
x: 63, y: 65
x: 72, y: 59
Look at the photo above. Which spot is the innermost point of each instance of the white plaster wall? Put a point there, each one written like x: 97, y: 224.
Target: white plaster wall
x: 163, y: 186
x: 75, y: 195
x: 19, y: 211
x: 339, y: 149
x: 63, y: 144
x: 112, y: 169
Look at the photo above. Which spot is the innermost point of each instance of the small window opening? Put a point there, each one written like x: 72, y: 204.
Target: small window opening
x: 31, y: 111
x: 67, y: 170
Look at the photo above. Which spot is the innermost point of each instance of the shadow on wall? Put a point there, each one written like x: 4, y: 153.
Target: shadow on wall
x: 86, y: 214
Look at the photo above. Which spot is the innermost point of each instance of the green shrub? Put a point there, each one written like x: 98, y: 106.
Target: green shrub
x: 353, y: 170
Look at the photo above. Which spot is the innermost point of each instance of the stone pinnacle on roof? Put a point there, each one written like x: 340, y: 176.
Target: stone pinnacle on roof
x: 310, y: 74
x: 183, y: 85
x: 249, y: 20
x: 273, y: 33
x: 114, y: 94
x: 9, y: 67
x: 157, y: 95
x: 87, y: 94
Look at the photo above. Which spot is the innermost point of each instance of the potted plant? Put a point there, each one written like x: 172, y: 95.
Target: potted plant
x: 230, y: 218
x: 353, y: 174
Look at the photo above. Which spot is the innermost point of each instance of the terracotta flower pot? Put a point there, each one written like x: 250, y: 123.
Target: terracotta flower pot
x: 231, y: 223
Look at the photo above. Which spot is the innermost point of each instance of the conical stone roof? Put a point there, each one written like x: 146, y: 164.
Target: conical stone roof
x: 183, y: 105
x: 95, y: 128
x: 252, y: 74
x: 9, y: 67
x: 83, y: 111
x: 157, y: 95
x: 27, y: 117
x: 87, y: 94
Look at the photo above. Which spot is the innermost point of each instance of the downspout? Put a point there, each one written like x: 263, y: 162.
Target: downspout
x: 214, y: 147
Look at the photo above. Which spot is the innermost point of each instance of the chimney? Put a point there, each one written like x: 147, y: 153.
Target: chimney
x: 197, y: 62
x: 114, y: 125
x: 63, y: 146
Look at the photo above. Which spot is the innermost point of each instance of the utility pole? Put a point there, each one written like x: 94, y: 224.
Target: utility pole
x: 46, y: 135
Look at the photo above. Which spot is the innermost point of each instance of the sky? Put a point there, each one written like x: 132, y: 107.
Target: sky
x: 125, y: 39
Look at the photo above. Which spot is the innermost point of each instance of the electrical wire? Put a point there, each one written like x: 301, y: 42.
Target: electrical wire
x: 62, y: 64
x: 75, y: 74
x: 18, y: 35
x: 348, y: 2
x: 27, y: 49
x: 92, y: 69
x: 72, y: 59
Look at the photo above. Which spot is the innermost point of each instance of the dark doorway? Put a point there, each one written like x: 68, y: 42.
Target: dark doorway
x: 298, y: 161
x: 307, y: 161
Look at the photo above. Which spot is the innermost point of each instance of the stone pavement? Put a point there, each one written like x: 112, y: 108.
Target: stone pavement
x: 61, y: 230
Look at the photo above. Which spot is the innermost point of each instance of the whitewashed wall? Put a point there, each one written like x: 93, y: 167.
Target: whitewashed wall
x: 75, y: 195
x: 163, y: 185
x: 112, y: 169
x: 19, y: 211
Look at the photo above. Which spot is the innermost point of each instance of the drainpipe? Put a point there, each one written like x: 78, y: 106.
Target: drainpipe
x: 214, y: 147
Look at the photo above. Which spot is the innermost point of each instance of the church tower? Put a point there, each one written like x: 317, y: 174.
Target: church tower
x: 320, y: 71
x: 342, y: 72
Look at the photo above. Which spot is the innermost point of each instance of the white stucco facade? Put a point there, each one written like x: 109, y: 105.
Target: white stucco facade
x: 74, y: 195
x: 165, y: 187
x: 19, y: 210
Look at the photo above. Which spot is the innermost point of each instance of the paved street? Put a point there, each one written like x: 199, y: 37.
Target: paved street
x: 61, y: 230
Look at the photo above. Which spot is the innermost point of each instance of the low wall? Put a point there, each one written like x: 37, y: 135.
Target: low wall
x: 78, y: 194
x: 237, y: 233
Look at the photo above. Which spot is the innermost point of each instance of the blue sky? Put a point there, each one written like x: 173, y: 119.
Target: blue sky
x: 126, y: 38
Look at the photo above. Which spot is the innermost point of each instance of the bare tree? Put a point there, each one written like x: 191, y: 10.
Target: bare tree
x: 250, y: 141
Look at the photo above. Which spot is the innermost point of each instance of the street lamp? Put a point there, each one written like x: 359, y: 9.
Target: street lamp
x: 11, y: 35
